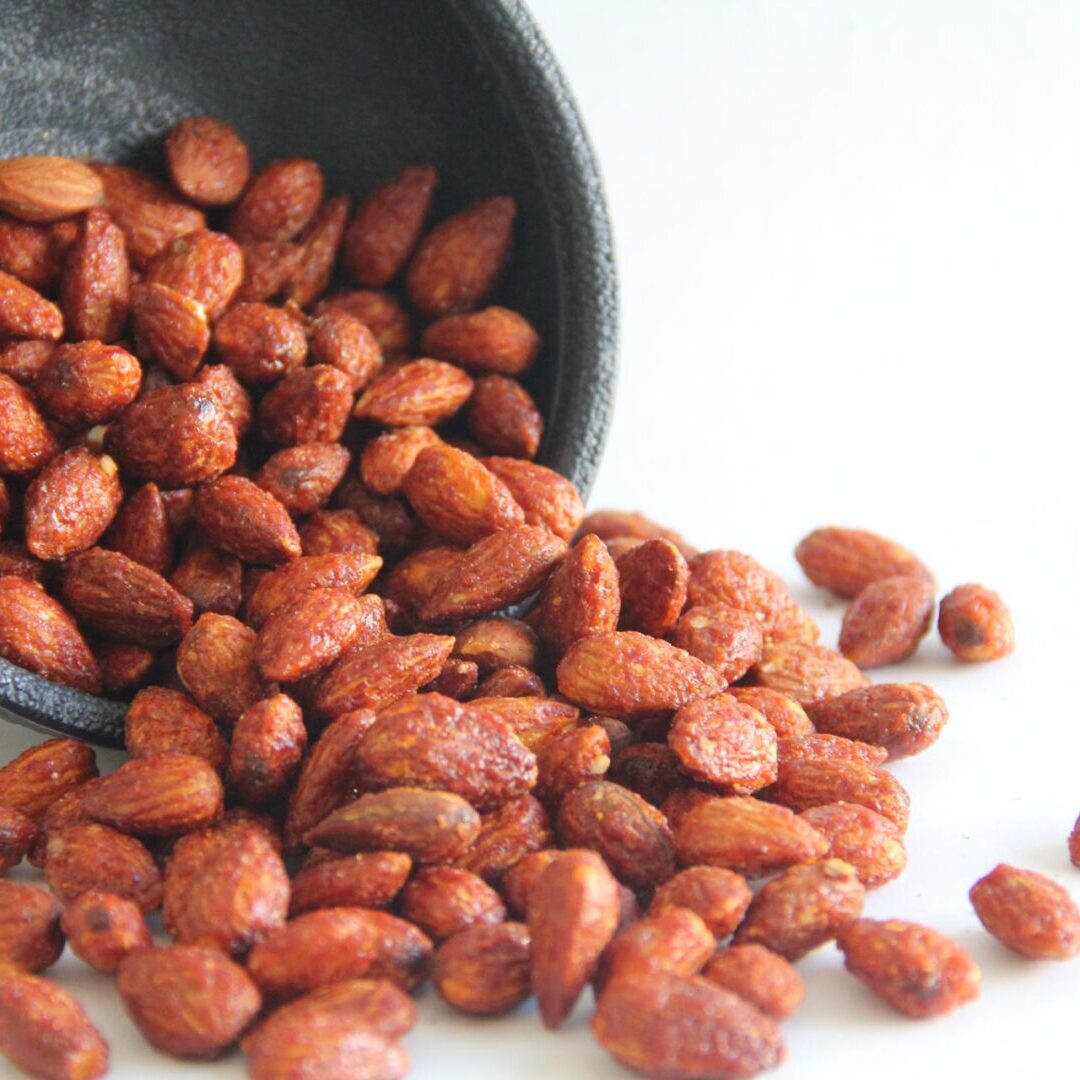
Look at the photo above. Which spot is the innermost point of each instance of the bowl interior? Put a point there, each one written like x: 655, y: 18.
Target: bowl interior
x: 364, y: 88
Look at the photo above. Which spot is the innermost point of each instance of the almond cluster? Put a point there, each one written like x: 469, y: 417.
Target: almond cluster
x: 284, y: 511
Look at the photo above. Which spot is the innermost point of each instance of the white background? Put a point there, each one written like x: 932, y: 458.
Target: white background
x: 848, y: 236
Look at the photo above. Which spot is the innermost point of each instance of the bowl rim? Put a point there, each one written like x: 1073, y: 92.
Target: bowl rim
x: 529, y: 75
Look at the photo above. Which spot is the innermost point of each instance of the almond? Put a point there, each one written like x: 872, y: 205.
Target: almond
x: 47, y: 188
x: 845, y: 561
x: 207, y: 161
x: 631, y: 676
x: 495, y: 339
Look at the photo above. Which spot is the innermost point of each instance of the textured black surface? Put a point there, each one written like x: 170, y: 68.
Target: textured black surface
x: 365, y: 87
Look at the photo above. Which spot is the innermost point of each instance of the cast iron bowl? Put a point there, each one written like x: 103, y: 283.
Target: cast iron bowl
x: 364, y: 87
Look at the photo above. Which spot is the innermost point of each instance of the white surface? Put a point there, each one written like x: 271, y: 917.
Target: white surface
x: 848, y: 237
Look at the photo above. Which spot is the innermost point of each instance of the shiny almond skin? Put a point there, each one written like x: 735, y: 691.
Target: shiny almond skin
x: 461, y: 260
x: 819, y: 746
x: 666, y: 1025
x: 174, y: 436
x: 103, y: 928
x: 759, y: 976
x: 740, y: 581
x: 302, y: 478
x: 725, y: 637
x: 187, y: 1001
x: 845, y: 561
x: 125, y: 600
x: 652, y: 582
x: 815, y: 782
x: 368, y: 879
x: 803, y: 908
x: 546, y: 498
x: 146, y: 210
x: 157, y: 795
x: 22, y: 360
x: 496, y: 643
x: 26, y: 442
x: 536, y: 721
x: 314, y: 950
x: 236, y: 896
x: 45, y: 1032
x: 494, y: 339
x: 41, y: 188
x: 35, y: 254
x: 341, y: 532
x: 230, y: 394
x: 41, y: 774
x: 374, y: 675
x: 418, y: 392
x: 456, y: 496
x: 216, y: 664
x: 676, y: 942
x: 580, y: 598
x: 161, y: 720
x: 38, y: 634
x: 208, y: 162
x: 721, y: 741
x: 868, y: 841
x: 385, y: 316
x: 268, y: 267
x: 279, y: 201
x: 573, y: 914
x: 918, y: 971
x: 1028, y: 913
x: 887, y: 620
x: 267, y: 745
x: 87, y: 383
x: 141, y: 530
x: 808, y: 672
x: 344, y: 342
x: 205, y: 266
x: 387, y: 459
x: 238, y: 516
x: 319, y: 244
x: 170, y: 328
x: 631, y: 676
x: 124, y: 668
x: 327, y: 776
x: 18, y: 835
x: 746, y: 835
x: 386, y: 226
x: 84, y: 857
x: 428, y: 826
x: 904, y: 718
x: 504, y: 419
x: 571, y: 759
x: 434, y: 742
x: 444, y: 900
x: 484, y: 970
x: 632, y: 836
x: 309, y: 634
x: 95, y: 293
x: 975, y: 624
x: 261, y: 344
x: 24, y: 312
x: 70, y: 503
x: 512, y: 681
x: 282, y: 586
x: 507, y: 834
x: 30, y: 935
x: 212, y: 579
x: 717, y: 896
x: 316, y: 1041
x: 311, y: 404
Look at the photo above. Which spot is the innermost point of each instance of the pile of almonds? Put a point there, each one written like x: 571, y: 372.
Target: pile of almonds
x: 249, y: 507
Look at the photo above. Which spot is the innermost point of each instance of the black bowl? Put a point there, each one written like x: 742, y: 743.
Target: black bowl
x: 364, y: 88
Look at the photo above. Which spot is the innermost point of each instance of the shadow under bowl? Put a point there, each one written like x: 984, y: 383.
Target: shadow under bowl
x: 364, y: 88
